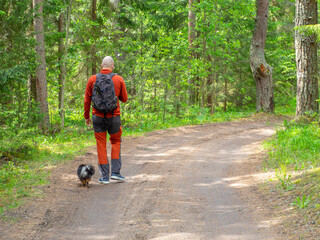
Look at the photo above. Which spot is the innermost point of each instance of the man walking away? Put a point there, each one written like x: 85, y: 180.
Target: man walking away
x: 105, y: 90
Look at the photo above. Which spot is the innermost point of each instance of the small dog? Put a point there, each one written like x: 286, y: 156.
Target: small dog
x: 85, y: 172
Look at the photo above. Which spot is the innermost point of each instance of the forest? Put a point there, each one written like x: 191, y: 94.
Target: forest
x: 184, y: 62
x: 171, y: 70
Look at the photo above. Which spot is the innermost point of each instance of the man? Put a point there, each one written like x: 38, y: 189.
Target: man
x: 103, y: 122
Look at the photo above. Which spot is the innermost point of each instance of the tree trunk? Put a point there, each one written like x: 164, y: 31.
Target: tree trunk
x: 191, y: 37
x: 210, y: 88
x: 165, y: 103
x: 41, y: 80
x: 32, y: 89
x: 63, y: 53
x: 191, y: 26
x: 211, y: 97
x: 306, y: 59
x: 262, y: 72
x: 94, y: 29
x: 62, y: 75
x: 225, y: 100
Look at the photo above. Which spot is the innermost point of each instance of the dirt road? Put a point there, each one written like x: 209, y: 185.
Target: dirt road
x: 181, y: 184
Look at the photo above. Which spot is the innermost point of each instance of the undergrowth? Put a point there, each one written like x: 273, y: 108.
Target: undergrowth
x: 294, y: 153
x: 297, y: 145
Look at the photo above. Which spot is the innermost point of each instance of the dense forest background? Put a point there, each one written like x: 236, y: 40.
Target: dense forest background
x: 166, y: 75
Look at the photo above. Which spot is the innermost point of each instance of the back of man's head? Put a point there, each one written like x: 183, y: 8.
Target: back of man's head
x: 107, y: 62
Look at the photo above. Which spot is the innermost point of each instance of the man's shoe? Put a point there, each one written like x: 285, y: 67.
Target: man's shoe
x: 118, y: 177
x: 104, y: 180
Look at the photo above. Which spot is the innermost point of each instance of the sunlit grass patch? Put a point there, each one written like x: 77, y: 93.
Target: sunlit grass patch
x: 137, y: 124
x: 294, y: 153
x: 18, y: 182
x: 296, y: 145
x: 26, y: 156
x: 308, y: 185
x: 297, y: 207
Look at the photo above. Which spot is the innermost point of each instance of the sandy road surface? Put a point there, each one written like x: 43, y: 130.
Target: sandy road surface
x: 178, y: 187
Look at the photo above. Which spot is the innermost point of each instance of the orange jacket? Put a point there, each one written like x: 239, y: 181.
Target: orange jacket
x: 119, y: 88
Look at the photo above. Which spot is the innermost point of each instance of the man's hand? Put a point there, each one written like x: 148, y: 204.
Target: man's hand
x: 88, y: 122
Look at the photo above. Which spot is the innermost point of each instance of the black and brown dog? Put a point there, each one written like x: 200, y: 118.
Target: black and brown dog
x: 85, y: 172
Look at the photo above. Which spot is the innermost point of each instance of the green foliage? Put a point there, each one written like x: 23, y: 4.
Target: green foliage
x: 287, y: 107
x: 284, y: 177
x: 18, y: 182
x: 149, y: 41
x: 302, y: 202
x: 26, y: 157
x: 137, y: 123
x: 297, y: 144
x: 280, y: 51
x: 309, y: 30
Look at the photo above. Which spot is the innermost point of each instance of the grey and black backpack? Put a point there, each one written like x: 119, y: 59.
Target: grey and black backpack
x: 103, y: 96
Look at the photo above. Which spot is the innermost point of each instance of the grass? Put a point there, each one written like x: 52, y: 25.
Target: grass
x: 147, y: 122
x: 294, y: 153
x: 297, y: 145
x: 26, y: 156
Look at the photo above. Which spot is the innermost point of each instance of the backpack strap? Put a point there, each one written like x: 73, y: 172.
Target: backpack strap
x: 112, y: 75
x: 114, y: 91
x: 98, y: 75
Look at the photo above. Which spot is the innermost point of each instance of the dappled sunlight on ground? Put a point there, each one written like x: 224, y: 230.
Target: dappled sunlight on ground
x: 144, y: 177
x: 178, y: 236
x: 249, y: 180
x: 208, y: 185
x: 69, y: 177
x: 268, y: 223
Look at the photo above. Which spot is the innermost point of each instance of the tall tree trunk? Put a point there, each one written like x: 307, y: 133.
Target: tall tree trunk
x: 306, y: 59
x: 32, y: 83
x: 225, y: 100
x: 32, y: 89
x: 210, y: 89
x: 94, y: 29
x: 63, y: 53
x: 262, y: 72
x: 204, y: 83
x: 41, y: 80
x: 191, y: 37
x: 211, y: 97
x: 62, y: 75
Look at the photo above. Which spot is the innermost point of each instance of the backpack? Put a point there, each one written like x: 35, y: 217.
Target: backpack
x: 103, y: 95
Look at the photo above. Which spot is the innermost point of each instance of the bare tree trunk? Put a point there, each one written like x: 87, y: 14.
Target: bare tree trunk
x: 32, y: 86
x: 165, y: 103
x: 93, y: 49
x: 63, y: 53
x: 225, y: 100
x: 191, y: 37
x: 262, y: 72
x: 41, y: 80
x: 211, y: 97
x: 32, y: 89
x: 62, y: 75
x: 210, y: 86
x: 306, y: 59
